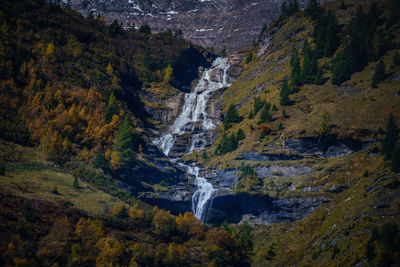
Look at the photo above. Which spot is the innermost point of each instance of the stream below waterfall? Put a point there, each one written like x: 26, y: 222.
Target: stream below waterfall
x: 195, y: 121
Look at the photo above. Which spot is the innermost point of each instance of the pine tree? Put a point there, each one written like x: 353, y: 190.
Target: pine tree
x: 75, y: 184
x: 295, y: 69
x: 148, y: 61
x: 310, y: 66
x: 115, y: 29
x: 396, y: 159
x: 124, y: 141
x: 113, y: 108
x: 145, y: 28
x: 265, y: 115
x: 100, y: 160
x: 332, y: 30
x: 341, y: 70
x: 284, y: 94
x: 257, y: 105
x: 379, y: 74
x: 231, y: 117
x: 318, y: 78
x: 313, y: 9
x: 390, y: 139
x: 231, y: 143
x: 240, y: 135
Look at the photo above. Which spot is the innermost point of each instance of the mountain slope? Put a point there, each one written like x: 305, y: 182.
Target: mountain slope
x: 322, y: 141
x: 230, y: 23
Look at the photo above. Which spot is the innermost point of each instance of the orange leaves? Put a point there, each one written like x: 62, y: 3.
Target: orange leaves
x: 162, y: 220
x: 187, y: 223
x: 110, y: 252
x: 264, y: 129
x: 115, y: 161
x: 136, y: 213
x: 89, y: 229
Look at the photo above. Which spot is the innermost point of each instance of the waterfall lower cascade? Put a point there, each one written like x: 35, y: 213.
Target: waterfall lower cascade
x: 195, y: 120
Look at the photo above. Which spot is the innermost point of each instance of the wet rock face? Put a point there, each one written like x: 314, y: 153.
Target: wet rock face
x: 260, y: 209
x: 325, y: 146
x: 218, y: 23
x: 256, y: 156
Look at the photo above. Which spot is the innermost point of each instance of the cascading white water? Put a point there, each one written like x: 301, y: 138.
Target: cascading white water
x: 194, y: 118
x: 204, y: 192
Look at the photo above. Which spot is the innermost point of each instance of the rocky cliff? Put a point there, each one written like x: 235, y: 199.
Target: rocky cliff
x: 209, y: 23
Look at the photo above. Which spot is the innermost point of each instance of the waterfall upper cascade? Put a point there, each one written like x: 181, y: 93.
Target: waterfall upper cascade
x: 194, y: 119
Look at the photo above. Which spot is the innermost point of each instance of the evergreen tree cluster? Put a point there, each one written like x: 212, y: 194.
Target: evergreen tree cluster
x: 284, y: 94
x: 288, y: 10
x: 313, y: 9
x: 115, y: 29
x: 231, y: 117
x: 124, y: 142
x: 257, y: 106
x: 379, y: 74
x: 247, y: 171
x: 326, y: 35
x: 265, y: 115
x: 229, y: 143
x: 364, y: 41
x: 390, y: 147
x: 383, y: 247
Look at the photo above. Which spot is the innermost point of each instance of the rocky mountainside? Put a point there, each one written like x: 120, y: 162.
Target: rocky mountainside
x: 209, y: 23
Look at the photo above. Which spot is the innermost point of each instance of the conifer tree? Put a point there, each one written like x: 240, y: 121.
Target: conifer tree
x: 75, y: 184
x: 390, y: 139
x: 124, y: 141
x: 231, y: 117
x: 115, y: 28
x: 318, y: 78
x: 265, y: 115
x: 310, y: 67
x: 313, y: 9
x: 100, y: 160
x: 295, y: 69
x: 240, y: 135
x: 113, y: 108
x: 284, y: 94
x: 396, y: 159
x: 257, y: 105
x: 379, y: 74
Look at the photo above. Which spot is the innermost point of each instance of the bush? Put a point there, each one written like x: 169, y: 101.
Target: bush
x: 75, y: 184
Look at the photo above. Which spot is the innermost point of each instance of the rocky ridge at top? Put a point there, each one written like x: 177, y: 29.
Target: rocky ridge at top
x: 209, y: 23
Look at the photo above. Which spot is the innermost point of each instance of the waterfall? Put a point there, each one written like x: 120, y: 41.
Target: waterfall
x: 194, y: 116
x: 195, y: 120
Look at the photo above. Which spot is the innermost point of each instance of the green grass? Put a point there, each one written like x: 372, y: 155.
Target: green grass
x: 29, y: 175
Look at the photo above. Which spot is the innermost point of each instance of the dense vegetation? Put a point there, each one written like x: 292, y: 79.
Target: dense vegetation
x: 70, y: 95
x: 74, y: 89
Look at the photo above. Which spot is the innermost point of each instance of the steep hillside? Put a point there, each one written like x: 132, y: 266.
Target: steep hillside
x: 76, y: 90
x: 305, y: 121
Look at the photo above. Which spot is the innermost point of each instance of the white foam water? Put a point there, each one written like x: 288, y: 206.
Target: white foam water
x: 195, y: 118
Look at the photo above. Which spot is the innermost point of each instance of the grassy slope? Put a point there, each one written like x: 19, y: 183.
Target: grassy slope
x: 336, y: 233
x: 30, y: 176
x: 352, y: 106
